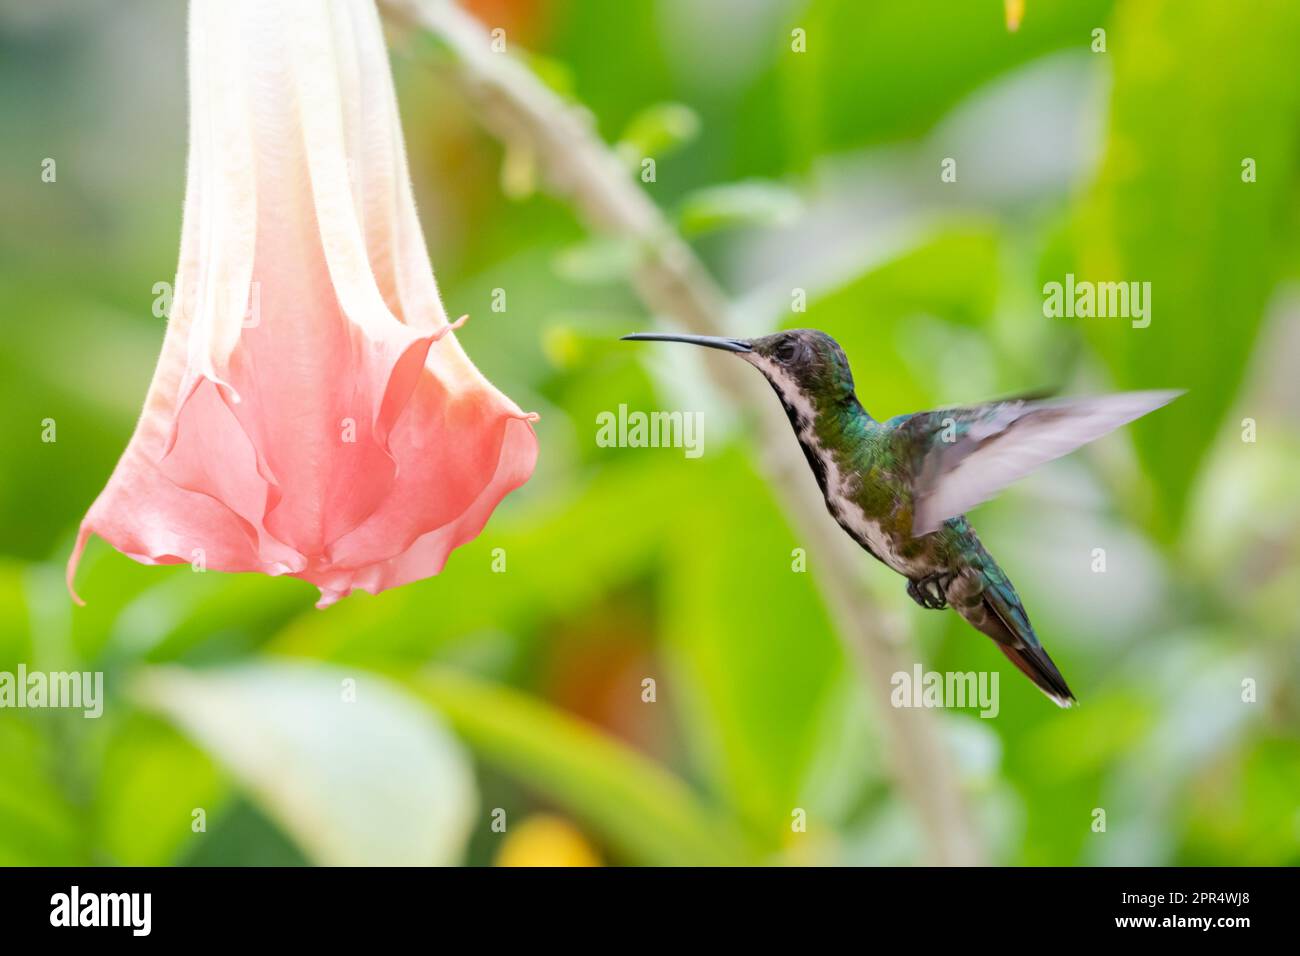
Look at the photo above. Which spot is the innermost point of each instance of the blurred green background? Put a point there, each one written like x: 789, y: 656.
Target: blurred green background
x: 485, y: 697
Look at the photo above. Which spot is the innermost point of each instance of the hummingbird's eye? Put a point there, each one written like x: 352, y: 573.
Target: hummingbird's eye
x: 785, y: 352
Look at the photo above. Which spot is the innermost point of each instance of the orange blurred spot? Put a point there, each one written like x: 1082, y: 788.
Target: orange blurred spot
x: 522, y: 20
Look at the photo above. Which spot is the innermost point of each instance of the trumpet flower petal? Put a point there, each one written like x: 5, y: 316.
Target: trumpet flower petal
x: 312, y: 412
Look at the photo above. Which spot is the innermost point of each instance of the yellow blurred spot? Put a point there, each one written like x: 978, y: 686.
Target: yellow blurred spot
x: 546, y: 840
x: 518, y: 171
x: 561, y: 345
x: 1015, y: 11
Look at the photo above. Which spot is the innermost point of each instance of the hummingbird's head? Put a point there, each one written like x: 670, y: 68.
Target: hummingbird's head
x: 806, y: 367
x: 805, y: 361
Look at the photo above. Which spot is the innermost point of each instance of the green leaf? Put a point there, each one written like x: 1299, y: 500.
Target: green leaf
x: 754, y: 202
x: 641, y: 810
x: 209, y: 618
x: 1171, y: 209
x: 374, y: 780
x: 1244, y: 815
x: 598, y: 260
x: 657, y: 131
x: 151, y: 782
x: 556, y: 74
x: 15, y: 628
x: 38, y: 825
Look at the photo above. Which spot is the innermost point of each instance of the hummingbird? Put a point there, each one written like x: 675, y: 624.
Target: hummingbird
x: 900, y: 487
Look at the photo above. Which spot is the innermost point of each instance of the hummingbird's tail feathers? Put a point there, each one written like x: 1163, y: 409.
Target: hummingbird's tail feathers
x: 968, y: 455
x: 1001, y: 616
x: 1035, y: 664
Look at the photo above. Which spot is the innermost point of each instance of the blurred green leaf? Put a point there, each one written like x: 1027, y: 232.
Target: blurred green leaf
x: 1171, y: 209
x: 39, y: 826
x: 137, y: 612
x: 15, y: 629
x: 151, y: 782
x: 208, y: 617
x: 657, y: 131
x: 644, y: 812
x: 1244, y: 809
x: 556, y: 74
x: 751, y: 203
x: 597, y: 260
x: 370, y: 780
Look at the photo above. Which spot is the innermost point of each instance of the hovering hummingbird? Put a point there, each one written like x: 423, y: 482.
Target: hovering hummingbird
x: 900, y: 487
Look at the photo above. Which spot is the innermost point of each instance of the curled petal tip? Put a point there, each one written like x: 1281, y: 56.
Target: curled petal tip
x: 449, y: 328
x: 83, y: 535
x: 328, y: 598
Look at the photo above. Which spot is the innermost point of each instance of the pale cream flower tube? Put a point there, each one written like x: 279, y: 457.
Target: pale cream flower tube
x: 312, y: 413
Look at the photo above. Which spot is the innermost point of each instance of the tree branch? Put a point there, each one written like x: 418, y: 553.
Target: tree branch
x: 671, y: 281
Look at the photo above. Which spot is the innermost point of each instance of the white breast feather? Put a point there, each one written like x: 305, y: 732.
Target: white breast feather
x: 839, y: 487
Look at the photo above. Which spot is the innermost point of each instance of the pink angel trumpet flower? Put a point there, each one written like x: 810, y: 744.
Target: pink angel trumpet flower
x: 312, y: 413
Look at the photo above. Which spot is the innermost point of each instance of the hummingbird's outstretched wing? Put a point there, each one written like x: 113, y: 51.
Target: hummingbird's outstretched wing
x: 963, y: 456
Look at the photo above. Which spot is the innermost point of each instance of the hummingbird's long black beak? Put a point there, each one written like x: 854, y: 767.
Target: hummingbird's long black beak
x: 708, y: 341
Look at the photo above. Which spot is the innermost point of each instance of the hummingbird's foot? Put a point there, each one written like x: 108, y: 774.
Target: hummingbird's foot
x: 929, y: 591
